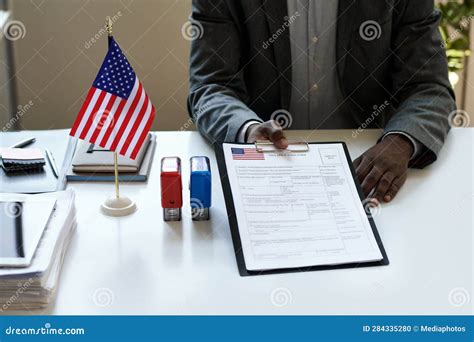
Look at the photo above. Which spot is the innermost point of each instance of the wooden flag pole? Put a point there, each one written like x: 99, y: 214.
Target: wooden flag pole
x: 117, y: 191
x: 108, y: 26
x: 117, y: 206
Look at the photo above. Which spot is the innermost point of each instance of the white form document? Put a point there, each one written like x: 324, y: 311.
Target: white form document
x: 297, y: 209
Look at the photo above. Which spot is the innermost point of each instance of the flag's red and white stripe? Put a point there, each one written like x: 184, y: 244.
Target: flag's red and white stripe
x: 115, y: 123
x: 248, y: 154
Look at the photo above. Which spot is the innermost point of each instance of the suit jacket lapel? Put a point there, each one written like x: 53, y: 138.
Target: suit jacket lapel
x: 345, y: 28
x: 277, y: 13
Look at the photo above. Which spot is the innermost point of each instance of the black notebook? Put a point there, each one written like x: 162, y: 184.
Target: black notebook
x: 42, y: 179
x: 22, y: 159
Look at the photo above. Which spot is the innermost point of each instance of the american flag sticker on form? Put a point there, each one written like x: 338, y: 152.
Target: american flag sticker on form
x: 246, y: 154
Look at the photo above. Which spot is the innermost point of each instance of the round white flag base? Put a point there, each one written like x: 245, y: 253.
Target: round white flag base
x: 116, y: 207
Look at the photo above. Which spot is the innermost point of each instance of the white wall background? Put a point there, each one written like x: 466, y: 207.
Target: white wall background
x: 469, y: 82
x: 4, y: 93
x: 55, y: 69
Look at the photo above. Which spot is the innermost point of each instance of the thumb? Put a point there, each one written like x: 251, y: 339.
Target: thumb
x: 275, y: 134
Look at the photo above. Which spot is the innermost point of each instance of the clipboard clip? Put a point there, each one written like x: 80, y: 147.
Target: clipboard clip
x: 261, y: 146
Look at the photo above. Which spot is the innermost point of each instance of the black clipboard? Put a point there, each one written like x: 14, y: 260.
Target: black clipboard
x: 234, y: 229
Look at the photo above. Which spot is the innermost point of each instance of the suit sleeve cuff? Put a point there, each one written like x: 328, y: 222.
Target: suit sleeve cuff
x: 243, y: 130
x: 417, y: 146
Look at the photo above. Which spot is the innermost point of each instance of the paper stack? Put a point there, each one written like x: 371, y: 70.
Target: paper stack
x: 34, y: 287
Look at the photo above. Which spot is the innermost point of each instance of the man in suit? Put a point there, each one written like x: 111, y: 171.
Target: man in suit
x: 324, y: 64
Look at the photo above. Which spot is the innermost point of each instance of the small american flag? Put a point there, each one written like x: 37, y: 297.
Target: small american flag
x: 117, y: 113
x: 246, y: 154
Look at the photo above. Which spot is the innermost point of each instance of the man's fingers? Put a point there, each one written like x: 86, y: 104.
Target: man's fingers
x: 357, y: 162
x: 371, y: 180
x: 394, y: 188
x: 275, y: 134
x: 363, y: 168
x: 279, y: 140
x: 383, y: 186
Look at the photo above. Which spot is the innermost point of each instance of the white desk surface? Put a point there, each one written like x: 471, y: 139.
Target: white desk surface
x: 142, y: 265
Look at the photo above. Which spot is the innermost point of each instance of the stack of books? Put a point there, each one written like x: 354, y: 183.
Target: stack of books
x: 94, y: 163
x: 34, y: 287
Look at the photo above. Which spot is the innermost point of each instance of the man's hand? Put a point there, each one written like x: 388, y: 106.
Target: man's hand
x: 269, y: 130
x: 384, y: 167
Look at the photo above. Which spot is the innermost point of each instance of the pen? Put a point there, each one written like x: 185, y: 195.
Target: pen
x: 24, y: 143
x: 52, y: 162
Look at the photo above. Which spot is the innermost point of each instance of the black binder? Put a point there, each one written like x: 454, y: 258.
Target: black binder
x: 235, y: 229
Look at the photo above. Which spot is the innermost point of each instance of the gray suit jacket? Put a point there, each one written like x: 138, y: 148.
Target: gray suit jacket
x: 235, y: 78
